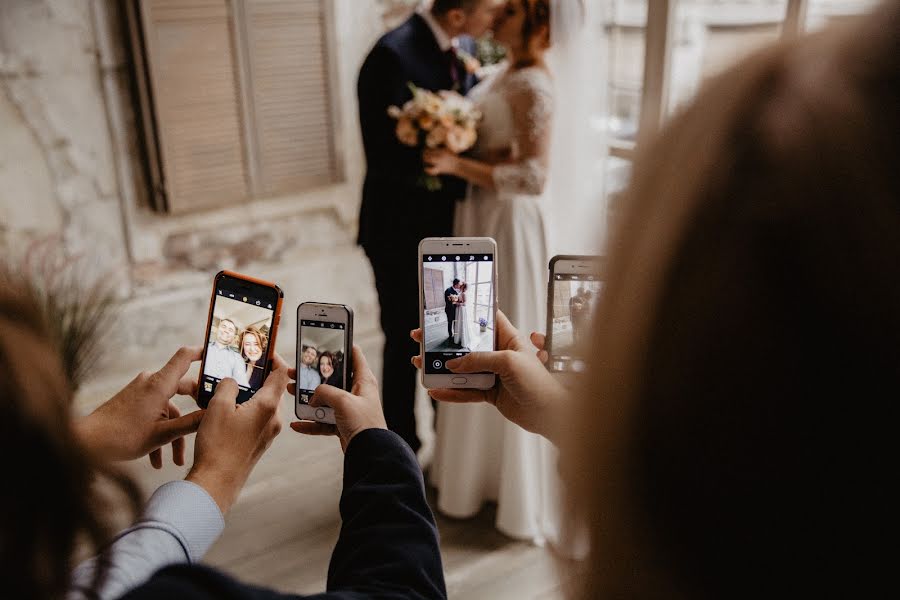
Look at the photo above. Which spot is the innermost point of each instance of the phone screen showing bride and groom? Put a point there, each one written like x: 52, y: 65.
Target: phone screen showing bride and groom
x: 322, y: 356
x: 459, y: 307
x: 574, y: 301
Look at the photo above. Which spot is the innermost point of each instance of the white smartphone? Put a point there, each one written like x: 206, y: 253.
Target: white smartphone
x: 324, y: 355
x: 576, y: 283
x: 457, y: 307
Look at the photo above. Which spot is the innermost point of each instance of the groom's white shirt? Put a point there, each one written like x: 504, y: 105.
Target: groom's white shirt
x: 443, y: 40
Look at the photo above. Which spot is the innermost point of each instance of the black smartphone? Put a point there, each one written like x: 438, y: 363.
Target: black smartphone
x: 240, y: 334
x: 576, y: 283
x: 324, y: 355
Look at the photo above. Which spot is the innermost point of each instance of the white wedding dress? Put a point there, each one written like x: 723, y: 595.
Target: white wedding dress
x: 480, y: 456
x: 463, y: 335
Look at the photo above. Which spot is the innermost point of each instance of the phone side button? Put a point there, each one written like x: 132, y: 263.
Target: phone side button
x: 320, y: 413
x: 459, y: 380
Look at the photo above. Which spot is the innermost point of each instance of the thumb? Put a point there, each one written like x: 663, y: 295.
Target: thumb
x: 173, y: 429
x: 480, y: 362
x: 225, y: 397
x: 330, y: 396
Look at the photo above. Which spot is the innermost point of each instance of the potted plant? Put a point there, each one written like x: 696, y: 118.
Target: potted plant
x: 482, y: 322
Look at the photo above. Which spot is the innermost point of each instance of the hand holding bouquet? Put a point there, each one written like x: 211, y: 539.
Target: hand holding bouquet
x: 436, y: 120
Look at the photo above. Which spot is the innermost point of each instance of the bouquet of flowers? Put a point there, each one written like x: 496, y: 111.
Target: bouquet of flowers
x: 434, y: 120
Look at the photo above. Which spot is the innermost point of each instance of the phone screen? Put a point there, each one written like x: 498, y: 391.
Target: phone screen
x: 459, y: 307
x: 323, y: 357
x: 575, y: 299
x: 237, y: 344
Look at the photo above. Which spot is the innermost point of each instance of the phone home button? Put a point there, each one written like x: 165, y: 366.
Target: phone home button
x: 459, y: 380
x: 320, y: 413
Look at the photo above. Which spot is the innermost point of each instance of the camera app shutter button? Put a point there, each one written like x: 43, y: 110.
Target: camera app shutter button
x: 437, y: 364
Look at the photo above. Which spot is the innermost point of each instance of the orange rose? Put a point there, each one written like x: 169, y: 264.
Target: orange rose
x: 407, y: 132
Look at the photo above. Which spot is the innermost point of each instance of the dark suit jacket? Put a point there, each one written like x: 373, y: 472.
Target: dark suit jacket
x: 395, y: 208
x: 449, y: 307
x: 387, y: 548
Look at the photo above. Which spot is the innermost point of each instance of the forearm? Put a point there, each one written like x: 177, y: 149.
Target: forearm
x: 388, y: 541
x: 475, y: 172
x: 180, y: 523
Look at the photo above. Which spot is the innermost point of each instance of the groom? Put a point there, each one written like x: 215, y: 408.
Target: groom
x: 396, y: 211
x: 450, y: 306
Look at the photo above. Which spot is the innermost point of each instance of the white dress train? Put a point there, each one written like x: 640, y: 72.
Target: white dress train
x: 479, y: 455
x: 463, y: 335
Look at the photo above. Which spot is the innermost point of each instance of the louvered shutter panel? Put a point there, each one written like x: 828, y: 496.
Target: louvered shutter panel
x: 289, y: 94
x: 190, y: 55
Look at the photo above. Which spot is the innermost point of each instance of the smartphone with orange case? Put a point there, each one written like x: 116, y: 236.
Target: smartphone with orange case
x: 244, y: 314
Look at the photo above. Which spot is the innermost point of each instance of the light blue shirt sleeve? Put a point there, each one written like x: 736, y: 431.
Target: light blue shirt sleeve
x: 179, y: 525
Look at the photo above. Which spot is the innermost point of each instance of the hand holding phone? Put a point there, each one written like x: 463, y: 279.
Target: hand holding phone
x: 244, y: 314
x: 354, y: 411
x: 324, y: 336
x: 527, y: 395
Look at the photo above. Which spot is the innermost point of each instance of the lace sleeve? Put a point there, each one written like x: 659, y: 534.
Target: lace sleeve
x: 530, y: 99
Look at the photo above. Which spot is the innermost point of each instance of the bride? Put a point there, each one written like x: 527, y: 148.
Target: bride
x: 463, y: 335
x: 478, y: 455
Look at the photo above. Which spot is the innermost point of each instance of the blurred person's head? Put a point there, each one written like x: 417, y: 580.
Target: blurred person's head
x: 735, y: 438
x: 463, y: 286
x: 51, y: 507
x: 464, y: 17
x: 253, y: 344
x: 308, y: 355
x: 523, y: 27
x: 225, y: 332
x: 326, y: 365
x: 456, y: 283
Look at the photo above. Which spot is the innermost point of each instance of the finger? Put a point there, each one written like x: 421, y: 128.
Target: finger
x: 178, y: 365
x: 271, y: 391
x: 417, y: 362
x: 480, y: 362
x: 543, y: 356
x: 329, y: 396
x: 171, y: 430
x: 506, y: 333
x: 538, y: 340
x: 416, y: 334
x: 156, y: 458
x: 292, y: 388
x: 460, y: 396
x: 177, y: 443
x: 225, y: 398
x: 432, y: 171
x: 313, y: 428
x: 187, y: 386
x: 278, y: 362
x: 362, y: 374
x: 292, y: 373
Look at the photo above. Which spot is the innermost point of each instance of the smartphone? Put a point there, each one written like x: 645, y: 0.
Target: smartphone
x: 324, y: 355
x: 457, y: 307
x: 576, y: 283
x: 240, y: 334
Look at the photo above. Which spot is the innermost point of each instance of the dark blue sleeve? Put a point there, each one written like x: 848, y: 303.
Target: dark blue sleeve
x: 384, y: 82
x: 388, y: 545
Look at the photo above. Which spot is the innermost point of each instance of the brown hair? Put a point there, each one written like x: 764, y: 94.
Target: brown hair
x: 51, y: 504
x: 442, y: 7
x: 537, y: 15
x: 261, y: 337
x: 747, y: 344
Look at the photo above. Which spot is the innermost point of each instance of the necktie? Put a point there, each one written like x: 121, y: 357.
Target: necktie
x: 454, y: 67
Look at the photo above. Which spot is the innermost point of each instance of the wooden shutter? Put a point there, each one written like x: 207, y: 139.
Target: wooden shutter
x: 191, y: 64
x: 433, y: 282
x: 288, y: 94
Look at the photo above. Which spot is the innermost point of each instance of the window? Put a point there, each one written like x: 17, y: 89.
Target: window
x: 236, y: 98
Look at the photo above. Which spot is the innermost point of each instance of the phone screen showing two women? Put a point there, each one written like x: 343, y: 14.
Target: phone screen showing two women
x: 459, y: 298
x: 237, y: 344
x: 323, y: 356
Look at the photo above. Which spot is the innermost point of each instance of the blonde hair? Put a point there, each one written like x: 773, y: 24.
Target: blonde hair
x: 754, y: 278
